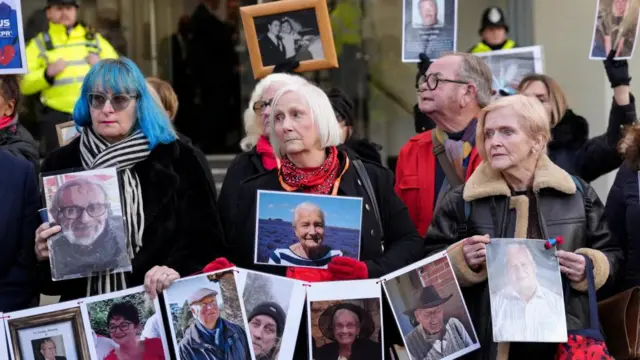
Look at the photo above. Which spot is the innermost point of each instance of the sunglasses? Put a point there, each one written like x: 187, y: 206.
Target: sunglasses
x: 119, y: 102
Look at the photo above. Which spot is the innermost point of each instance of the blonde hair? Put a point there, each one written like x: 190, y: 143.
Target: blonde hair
x: 252, y: 124
x: 321, y: 111
x: 165, y: 94
x: 532, y: 118
x: 557, y: 98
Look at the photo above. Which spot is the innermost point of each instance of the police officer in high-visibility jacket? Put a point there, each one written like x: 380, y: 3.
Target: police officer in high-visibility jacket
x: 58, y: 60
x: 493, y: 30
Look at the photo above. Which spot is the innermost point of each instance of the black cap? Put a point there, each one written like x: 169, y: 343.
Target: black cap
x: 493, y: 17
x: 62, y: 2
x: 342, y: 105
x: 273, y: 311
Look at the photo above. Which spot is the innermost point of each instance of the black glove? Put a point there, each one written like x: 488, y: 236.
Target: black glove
x: 287, y: 66
x: 617, y: 70
x: 423, y: 66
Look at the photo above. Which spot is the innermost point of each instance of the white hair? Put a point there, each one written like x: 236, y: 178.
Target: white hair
x: 345, y: 311
x: 251, y: 122
x: 321, y: 111
x: 308, y: 206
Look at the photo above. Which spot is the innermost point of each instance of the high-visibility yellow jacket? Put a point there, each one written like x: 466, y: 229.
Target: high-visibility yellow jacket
x: 482, y: 47
x: 345, y: 23
x: 73, y: 47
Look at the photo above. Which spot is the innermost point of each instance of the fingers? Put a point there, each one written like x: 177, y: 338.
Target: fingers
x: 158, y: 279
x: 148, y: 280
x: 572, y: 274
x: 484, y: 239
x: 44, y: 232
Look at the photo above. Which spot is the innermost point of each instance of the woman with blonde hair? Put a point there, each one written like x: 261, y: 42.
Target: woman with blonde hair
x: 518, y: 192
x: 570, y: 146
x: 257, y: 156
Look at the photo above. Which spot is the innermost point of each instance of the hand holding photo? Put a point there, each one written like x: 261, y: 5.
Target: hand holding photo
x: 200, y: 305
x: 294, y: 229
x: 430, y: 27
x: 615, y: 28
x: 527, y: 303
x: 274, y: 306
x: 430, y: 311
x: 345, y: 317
x: 88, y: 207
x: 54, y: 332
x: 508, y: 67
x: 124, y: 324
x: 282, y: 31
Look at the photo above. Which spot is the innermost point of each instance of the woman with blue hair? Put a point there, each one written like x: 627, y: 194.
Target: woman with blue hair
x: 171, y: 216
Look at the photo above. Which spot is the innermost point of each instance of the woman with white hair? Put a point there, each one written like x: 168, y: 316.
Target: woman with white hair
x: 518, y: 192
x: 304, y: 133
x: 257, y: 156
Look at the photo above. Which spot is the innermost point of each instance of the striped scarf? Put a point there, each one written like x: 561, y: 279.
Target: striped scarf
x: 97, y: 153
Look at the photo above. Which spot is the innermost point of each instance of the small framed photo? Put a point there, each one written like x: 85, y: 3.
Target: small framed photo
x: 289, y: 30
x: 198, y: 305
x: 526, y: 292
x: 425, y: 299
x: 345, y: 315
x: 52, y: 331
x: 126, y: 319
x: 274, y: 307
x: 307, y: 230
x: 66, y: 132
x: 88, y: 207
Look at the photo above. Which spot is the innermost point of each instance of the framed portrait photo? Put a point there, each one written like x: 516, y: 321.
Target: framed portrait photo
x: 289, y: 30
x: 50, y: 331
x: 66, y: 132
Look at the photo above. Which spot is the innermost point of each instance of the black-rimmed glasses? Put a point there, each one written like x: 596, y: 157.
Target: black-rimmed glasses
x: 74, y: 212
x: 119, y: 102
x: 124, y: 326
x: 432, y: 80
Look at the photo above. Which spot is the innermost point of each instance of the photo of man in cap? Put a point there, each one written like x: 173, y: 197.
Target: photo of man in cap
x: 211, y: 337
x: 432, y: 338
x: 266, y: 325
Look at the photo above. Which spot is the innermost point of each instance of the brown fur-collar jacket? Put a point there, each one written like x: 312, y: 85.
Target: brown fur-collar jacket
x: 495, y: 211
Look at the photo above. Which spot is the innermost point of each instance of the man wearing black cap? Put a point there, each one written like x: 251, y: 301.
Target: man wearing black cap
x: 431, y: 339
x: 58, y: 60
x: 266, y: 325
x: 493, y: 31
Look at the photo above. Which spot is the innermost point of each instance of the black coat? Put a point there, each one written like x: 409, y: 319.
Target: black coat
x: 494, y: 211
x: 364, y: 148
x: 587, y: 158
x: 362, y: 349
x: 181, y: 230
x: 402, y: 244
x: 623, y: 214
x: 17, y: 140
x: 19, y: 204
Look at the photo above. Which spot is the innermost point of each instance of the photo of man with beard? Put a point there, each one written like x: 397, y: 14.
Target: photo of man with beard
x: 92, y: 237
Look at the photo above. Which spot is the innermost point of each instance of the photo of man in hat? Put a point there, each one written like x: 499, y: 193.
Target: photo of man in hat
x: 211, y: 337
x: 266, y: 325
x: 433, y: 338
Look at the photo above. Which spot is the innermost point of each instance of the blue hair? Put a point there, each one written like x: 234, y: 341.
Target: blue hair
x: 122, y: 76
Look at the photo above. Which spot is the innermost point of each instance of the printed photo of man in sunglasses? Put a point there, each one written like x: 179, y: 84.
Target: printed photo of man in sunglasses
x: 92, y: 237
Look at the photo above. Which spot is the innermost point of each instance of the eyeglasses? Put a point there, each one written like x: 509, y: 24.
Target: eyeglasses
x: 260, y: 105
x: 348, y: 326
x: 210, y: 304
x: 125, y: 326
x: 119, y: 102
x: 432, y: 80
x: 75, y: 211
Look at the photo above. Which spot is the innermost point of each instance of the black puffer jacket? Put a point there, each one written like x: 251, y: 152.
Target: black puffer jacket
x: 494, y: 211
x: 574, y: 152
x: 18, y: 141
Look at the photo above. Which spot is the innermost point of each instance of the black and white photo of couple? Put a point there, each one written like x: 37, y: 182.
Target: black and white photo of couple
x: 291, y: 35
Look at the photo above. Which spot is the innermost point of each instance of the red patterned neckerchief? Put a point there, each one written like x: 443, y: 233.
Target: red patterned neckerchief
x: 318, y: 180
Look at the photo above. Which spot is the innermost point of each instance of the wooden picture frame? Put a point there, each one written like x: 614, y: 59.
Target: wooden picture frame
x: 61, y: 129
x: 73, y: 315
x: 324, y: 38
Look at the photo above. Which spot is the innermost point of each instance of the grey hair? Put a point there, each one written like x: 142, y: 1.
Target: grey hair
x: 309, y: 206
x: 475, y: 70
x: 340, y: 311
x: 321, y: 111
x: 518, y: 248
x: 55, y: 201
x: 251, y: 122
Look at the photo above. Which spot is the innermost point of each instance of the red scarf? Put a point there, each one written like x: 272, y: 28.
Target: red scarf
x: 318, y: 180
x: 264, y: 149
x: 5, y: 121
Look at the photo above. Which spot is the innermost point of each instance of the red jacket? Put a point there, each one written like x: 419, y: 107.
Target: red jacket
x: 415, y: 178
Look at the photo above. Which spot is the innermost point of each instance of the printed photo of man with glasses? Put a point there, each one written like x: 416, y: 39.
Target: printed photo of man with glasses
x: 93, y: 238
